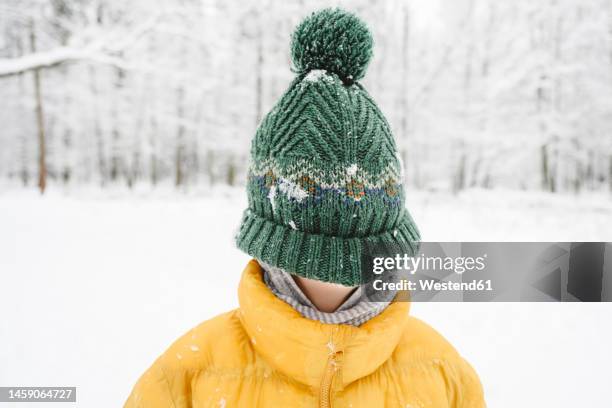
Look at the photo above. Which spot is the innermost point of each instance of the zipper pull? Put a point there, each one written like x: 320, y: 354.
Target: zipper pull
x: 334, y: 364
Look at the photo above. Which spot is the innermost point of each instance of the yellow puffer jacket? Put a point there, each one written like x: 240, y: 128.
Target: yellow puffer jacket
x: 265, y: 354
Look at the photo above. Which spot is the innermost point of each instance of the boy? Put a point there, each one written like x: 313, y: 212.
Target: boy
x: 324, y: 180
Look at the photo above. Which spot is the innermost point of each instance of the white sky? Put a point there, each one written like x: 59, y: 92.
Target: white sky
x: 437, y: 15
x: 426, y: 13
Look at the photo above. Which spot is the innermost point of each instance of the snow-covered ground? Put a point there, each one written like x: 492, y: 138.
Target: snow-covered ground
x: 95, y: 285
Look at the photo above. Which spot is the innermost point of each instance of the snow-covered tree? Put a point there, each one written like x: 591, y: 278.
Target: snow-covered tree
x: 480, y: 93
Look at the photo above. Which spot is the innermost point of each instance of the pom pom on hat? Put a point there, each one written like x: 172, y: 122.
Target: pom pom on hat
x: 334, y: 40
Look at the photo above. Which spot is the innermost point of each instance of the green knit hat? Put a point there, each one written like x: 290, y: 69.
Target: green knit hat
x: 325, y: 178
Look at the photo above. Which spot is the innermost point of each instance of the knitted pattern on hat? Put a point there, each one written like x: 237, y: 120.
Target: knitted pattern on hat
x: 325, y: 178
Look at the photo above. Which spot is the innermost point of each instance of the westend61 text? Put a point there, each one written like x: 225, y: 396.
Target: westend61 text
x: 433, y: 285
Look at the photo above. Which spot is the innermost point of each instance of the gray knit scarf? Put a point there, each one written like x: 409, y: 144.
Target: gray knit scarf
x: 354, y: 311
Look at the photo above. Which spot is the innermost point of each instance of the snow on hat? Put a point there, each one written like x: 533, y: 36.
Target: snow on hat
x: 325, y: 178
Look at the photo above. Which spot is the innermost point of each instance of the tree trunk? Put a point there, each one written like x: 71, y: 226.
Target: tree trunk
x: 610, y: 172
x: 117, y: 162
x: 42, y: 151
x: 101, y: 158
x: 404, y: 76
x: 24, y: 172
x: 210, y: 166
x: 259, y: 76
x: 67, y: 162
x: 179, y: 159
x: 154, y: 165
x: 231, y: 171
x: 545, y: 171
x: 460, y: 175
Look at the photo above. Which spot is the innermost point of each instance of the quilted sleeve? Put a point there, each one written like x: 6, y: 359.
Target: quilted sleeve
x: 152, y: 390
x: 463, y: 385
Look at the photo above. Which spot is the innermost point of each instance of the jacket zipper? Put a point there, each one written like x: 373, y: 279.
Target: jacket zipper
x: 333, y: 366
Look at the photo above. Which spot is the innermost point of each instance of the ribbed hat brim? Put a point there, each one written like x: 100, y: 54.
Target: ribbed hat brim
x: 316, y: 256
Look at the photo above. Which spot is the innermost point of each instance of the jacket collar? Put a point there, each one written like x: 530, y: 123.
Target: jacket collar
x: 299, y: 348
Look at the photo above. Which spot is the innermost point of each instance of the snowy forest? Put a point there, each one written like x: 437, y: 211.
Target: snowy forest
x: 479, y: 93
x: 135, y: 118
